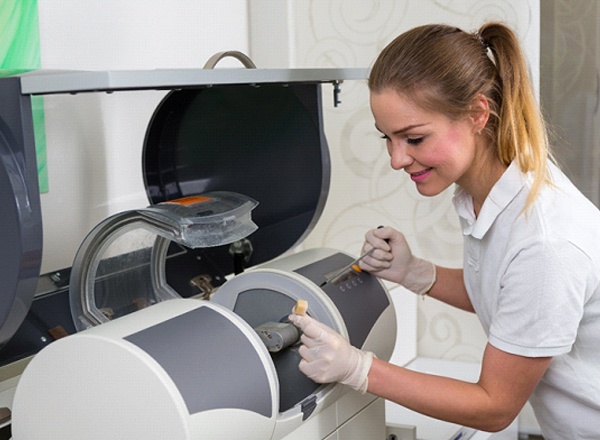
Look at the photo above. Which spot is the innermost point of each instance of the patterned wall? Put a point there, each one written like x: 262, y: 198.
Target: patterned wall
x: 365, y: 191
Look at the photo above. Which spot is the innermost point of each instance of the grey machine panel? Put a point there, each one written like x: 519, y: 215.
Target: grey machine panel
x: 360, y: 299
x: 21, y: 218
x: 210, y: 360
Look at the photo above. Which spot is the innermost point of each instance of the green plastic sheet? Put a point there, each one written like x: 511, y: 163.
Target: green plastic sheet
x: 20, y: 52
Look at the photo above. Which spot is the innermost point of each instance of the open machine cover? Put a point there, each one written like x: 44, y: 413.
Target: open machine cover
x: 265, y: 142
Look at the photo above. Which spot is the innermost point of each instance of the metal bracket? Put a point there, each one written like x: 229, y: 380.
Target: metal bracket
x: 336, y: 93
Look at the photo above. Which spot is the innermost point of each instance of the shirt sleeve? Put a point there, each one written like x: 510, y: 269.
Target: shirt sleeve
x: 542, y: 294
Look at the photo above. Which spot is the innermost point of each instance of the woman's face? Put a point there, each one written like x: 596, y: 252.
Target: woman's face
x: 434, y: 150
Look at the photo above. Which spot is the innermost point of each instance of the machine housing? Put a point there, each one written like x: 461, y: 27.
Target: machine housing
x: 193, y: 368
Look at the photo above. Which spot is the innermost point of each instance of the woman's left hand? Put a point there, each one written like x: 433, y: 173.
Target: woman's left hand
x: 328, y: 357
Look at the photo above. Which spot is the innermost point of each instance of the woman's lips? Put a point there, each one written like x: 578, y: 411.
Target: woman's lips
x: 420, y: 176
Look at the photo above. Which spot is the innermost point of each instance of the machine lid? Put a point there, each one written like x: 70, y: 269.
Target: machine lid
x: 262, y: 140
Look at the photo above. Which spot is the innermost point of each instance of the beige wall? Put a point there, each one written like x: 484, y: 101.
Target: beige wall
x: 94, y: 141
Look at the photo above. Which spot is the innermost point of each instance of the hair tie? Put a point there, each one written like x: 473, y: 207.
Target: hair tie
x: 482, y: 41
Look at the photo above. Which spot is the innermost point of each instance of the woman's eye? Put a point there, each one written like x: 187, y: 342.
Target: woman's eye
x: 383, y: 136
x: 414, y: 141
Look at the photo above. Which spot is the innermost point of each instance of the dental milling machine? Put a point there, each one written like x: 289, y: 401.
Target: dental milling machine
x: 171, y: 322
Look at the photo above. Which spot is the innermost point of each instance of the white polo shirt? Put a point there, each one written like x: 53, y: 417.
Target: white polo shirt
x: 533, y: 278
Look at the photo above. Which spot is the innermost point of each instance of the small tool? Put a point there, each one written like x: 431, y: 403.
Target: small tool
x: 346, y: 269
x: 349, y: 268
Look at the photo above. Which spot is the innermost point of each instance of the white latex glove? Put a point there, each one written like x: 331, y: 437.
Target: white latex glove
x: 393, y: 260
x: 327, y: 357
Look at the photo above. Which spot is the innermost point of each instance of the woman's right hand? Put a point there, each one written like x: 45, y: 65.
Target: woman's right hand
x: 393, y: 260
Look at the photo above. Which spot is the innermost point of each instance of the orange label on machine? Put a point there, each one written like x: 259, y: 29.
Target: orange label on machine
x: 189, y: 200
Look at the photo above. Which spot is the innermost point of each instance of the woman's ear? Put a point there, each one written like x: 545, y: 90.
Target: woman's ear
x: 480, y: 112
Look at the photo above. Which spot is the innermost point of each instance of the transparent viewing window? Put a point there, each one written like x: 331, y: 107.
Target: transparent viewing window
x: 120, y: 266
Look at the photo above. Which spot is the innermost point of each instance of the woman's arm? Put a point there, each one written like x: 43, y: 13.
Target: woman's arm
x: 449, y: 287
x: 505, y: 383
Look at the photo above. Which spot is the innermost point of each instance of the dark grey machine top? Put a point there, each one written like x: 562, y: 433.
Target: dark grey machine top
x: 210, y: 360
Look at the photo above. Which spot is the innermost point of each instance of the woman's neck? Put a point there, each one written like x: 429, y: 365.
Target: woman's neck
x: 482, y: 177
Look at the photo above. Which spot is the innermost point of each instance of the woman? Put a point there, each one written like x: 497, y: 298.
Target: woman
x: 458, y: 108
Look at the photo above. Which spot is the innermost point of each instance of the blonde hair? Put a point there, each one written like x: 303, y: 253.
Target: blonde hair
x: 444, y: 68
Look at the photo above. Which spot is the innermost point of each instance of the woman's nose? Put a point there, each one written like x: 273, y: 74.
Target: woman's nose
x: 399, y: 158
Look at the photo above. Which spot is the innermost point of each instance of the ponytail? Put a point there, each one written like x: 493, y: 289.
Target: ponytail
x: 521, y: 134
